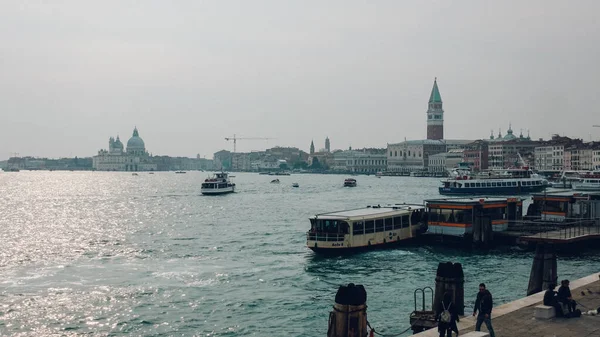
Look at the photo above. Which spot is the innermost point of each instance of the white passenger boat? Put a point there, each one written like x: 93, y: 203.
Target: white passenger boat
x: 295, y: 185
x: 363, y: 228
x: 218, y: 184
x: 509, y: 182
x: 587, y: 183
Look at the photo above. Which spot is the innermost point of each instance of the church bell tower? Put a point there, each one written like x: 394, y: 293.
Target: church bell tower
x: 435, y: 114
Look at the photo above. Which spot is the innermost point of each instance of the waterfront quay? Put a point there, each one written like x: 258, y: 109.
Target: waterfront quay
x: 516, y: 318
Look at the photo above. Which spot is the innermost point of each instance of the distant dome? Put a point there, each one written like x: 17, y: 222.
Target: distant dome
x: 135, y: 143
x: 509, y: 134
x: 118, y: 143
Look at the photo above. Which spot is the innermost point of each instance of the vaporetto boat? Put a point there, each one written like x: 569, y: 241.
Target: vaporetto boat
x: 589, y: 183
x: 509, y: 182
x: 218, y: 184
x: 363, y: 228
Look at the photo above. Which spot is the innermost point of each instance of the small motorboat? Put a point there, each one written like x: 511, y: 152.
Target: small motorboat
x: 295, y: 185
x: 151, y: 173
x: 275, y: 181
x: 350, y: 182
x: 179, y: 172
x: 134, y: 174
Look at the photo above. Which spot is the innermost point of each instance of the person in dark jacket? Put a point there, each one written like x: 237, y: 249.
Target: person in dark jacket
x: 564, y: 295
x: 551, y: 300
x: 483, y: 305
x: 445, y: 328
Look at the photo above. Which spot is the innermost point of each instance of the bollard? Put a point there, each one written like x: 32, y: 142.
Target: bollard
x: 349, y: 315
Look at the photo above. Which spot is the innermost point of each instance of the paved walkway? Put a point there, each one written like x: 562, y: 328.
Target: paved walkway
x: 516, y: 318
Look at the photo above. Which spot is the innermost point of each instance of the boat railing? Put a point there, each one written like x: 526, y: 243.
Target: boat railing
x: 327, y: 237
x: 569, y: 228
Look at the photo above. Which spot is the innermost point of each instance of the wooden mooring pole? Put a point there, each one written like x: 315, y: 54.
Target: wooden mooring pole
x: 544, y: 269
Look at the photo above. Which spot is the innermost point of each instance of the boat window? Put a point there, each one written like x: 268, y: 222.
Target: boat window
x: 358, y: 228
x: 478, y: 184
x: 467, y: 185
x: 379, y: 225
x: 389, y: 224
x: 495, y: 213
x: 405, y: 221
x: 397, y: 222
x: 514, y: 183
x: 369, y: 226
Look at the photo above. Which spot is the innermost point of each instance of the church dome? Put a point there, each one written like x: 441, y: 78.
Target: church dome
x: 135, y: 143
x: 118, y: 144
x: 509, y: 134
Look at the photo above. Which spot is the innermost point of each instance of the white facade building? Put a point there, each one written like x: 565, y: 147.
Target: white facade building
x: 359, y: 161
x: 443, y: 162
x: 412, y: 155
x: 135, y: 158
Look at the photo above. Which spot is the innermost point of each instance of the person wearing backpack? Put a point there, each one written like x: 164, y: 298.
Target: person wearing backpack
x: 447, y: 317
x: 484, y: 305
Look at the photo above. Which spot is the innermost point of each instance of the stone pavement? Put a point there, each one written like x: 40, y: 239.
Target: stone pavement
x: 515, y: 319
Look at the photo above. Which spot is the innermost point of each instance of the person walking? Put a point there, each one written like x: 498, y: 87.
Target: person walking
x: 447, y: 317
x: 483, y: 305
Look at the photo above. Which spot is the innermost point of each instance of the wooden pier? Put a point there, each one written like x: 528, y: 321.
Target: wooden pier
x: 584, y: 231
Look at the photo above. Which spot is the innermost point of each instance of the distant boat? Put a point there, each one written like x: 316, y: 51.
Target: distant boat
x: 275, y: 181
x: 179, y: 172
x: 217, y: 184
x: 134, y: 174
x: 350, y: 182
x: 151, y: 173
x: 295, y: 185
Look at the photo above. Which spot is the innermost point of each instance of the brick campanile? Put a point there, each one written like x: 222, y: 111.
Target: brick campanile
x: 435, y: 114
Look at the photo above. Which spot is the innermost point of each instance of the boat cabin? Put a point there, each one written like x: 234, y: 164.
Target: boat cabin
x: 457, y: 216
x: 364, y: 227
x: 563, y: 205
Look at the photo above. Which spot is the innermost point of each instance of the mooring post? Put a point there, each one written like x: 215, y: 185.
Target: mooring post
x: 450, y: 278
x: 550, y: 274
x: 349, y: 315
x: 537, y: 271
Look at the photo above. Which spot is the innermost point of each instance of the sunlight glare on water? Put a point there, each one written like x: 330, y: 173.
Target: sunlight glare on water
x: 116, y: 254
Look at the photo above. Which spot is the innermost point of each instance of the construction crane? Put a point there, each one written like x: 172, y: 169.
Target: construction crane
x: 235, y: 139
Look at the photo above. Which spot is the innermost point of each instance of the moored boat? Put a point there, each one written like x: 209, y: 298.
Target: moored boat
x: 350, y: 182
x: 218, y: 184
x: 363, y: 228
x: 509, y: 182
x: 587, y: 183
x: 295, y: 185
x: 275, y: 181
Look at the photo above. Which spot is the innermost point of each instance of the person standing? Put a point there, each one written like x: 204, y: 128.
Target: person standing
x: 447, y: 317
x: 483, y: 305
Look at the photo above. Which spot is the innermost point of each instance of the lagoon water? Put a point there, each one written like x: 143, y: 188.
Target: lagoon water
x: 114, y: 254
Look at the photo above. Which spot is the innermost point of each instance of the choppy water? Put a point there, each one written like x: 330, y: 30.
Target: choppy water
x: 116, y: 254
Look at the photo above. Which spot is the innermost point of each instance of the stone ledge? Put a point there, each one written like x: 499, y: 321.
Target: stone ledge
x: 543, y: 312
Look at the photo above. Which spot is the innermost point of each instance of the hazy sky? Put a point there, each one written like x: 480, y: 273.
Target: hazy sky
x: 189, y: 73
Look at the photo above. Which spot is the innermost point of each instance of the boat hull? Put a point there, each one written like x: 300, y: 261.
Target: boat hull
x: 357, y: 249
x: 508, y: 190
x: 586, y: 187
x: 217, y: 191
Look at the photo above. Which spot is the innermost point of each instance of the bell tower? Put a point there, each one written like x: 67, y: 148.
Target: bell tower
x: 435, y: 114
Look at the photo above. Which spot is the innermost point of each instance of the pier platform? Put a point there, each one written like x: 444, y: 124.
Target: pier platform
x: 565, y: 236
x: 516, y: 318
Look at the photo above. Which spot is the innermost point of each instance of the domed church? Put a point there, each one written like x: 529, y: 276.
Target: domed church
x: 135, y: 158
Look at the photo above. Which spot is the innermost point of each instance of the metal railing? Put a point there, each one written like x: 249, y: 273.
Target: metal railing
x: 327, y: 237
x: 570, y: 228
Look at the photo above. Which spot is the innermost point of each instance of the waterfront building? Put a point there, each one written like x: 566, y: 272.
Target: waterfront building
x: 476, y: 155
x: 435, y: 114
x: 412, y: 155
x: 444, y: 162
x: 222, y: 160
x: 134, y: 158
x: 505, y: 154
x: 550, y: 155
x: 360, y: 161
x: 580, y: 157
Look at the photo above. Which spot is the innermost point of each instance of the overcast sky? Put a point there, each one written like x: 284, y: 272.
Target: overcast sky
x: 189, y: 73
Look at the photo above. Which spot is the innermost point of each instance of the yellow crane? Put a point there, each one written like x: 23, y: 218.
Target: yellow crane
x: 235, y: 139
